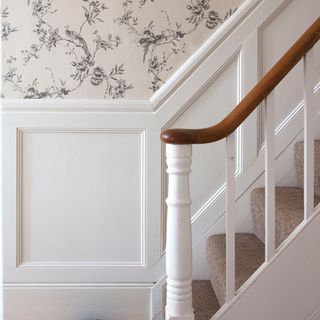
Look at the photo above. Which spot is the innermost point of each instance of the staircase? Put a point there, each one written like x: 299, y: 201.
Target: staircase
x: 276, y: 211
x: 208, y: 296
x: 250, y: 246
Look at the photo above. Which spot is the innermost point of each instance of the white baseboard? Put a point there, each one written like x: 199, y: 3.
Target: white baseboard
x: 73, y: 302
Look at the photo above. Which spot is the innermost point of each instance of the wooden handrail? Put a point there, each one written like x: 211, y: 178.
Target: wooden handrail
x: 234, y: 119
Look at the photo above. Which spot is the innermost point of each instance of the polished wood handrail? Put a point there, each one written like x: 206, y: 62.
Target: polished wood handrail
x: 234, y: 119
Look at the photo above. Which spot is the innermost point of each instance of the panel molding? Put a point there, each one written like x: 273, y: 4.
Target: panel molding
x: 237, y: 57
x: 19, y: 263
x: 74, y: 105
x: 203, y: 53
x: 260, y: 29
x: 285, y: 133
x: 49, y: 285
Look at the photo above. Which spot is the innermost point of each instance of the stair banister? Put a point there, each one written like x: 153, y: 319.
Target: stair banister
x: 309, y: 112
x: 179, y: 146
x: 269, y: 118
x: 230, y: 217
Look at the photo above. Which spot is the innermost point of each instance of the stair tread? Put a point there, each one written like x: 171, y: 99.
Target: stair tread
x: 204, y: 300
x: 289, y: 211
x: 299, y: 164
x: 249, y: 256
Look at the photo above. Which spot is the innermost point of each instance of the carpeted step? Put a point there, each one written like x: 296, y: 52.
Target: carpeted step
x: 299, y: 158
x: 204, y: 300
x: 249, y: 256
x: 289, y: 211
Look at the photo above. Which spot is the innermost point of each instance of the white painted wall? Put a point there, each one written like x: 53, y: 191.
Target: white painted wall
x: 84, y: 181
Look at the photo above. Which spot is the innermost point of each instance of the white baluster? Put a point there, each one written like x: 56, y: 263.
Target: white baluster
x: 309, y: 107
x: 179, y: 245
x: 269, y: 177
x: 230, y: 217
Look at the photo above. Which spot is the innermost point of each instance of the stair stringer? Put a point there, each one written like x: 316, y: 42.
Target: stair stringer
x: 284, y: 288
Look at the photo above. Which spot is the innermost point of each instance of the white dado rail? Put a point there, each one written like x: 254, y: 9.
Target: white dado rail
x: 179, y: 150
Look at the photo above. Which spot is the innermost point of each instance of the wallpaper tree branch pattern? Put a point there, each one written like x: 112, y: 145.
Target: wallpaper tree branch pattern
x: 101, y: 49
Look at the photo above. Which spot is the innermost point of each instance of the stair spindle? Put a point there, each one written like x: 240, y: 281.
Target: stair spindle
x: 309, y: 107
x: 230, y: 218
x: 269, y: 177
x: 179, y: 244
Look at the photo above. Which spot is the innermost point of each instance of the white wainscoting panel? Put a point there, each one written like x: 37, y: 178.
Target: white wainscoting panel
x: 72, y: 186
x: 214, y: 103
x: 78, y: 206
x: 276, y: 36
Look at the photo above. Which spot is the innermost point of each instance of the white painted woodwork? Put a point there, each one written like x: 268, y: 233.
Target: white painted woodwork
x: 209, y: 86
x: 213, y: 104
x: 277, y: 34
x: 288, y: 288
x: 254, y: 177
x: 69, y: 301
x: 68, y: 165
x: 179, y: 244
x: 269, y: 109
x: 248, y: 78
x: 230, y: 218
x: 309, y: 111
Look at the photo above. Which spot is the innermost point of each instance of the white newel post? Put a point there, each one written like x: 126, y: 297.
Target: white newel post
x: 179, y: 245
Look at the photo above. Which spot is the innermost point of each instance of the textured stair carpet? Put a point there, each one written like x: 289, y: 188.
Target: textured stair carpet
x: 204, y: 300
x: 299, y: 158
x: 249, y: 256
x: 289, y: 211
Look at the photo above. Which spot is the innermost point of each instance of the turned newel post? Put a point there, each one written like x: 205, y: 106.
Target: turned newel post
x: 179, y: 246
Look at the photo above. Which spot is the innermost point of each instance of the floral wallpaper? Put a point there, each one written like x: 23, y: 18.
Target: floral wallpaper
x: 101, y: 49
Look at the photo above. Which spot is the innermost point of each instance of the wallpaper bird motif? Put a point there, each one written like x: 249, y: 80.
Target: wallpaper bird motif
x: 101, y: 49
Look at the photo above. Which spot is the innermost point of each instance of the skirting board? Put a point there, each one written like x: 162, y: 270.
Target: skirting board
x: 70, y: 302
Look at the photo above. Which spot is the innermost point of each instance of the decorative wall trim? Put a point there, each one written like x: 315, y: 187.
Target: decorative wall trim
x: 271, y: 17
x: 236, y: 56
x: 295, y: 111
x: 265, y: 24
x: 80, y: 285
x: 71, y: 105
x: 289, y: 127
x: 203, y: 52
x: 19, y: 196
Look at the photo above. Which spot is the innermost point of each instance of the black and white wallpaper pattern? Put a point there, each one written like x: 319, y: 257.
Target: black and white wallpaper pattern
x: 101, y: 49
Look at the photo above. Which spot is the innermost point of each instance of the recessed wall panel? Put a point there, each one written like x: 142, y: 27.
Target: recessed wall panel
x: 208, y: 160
x: 276, y: 38
x: 81, y: 199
